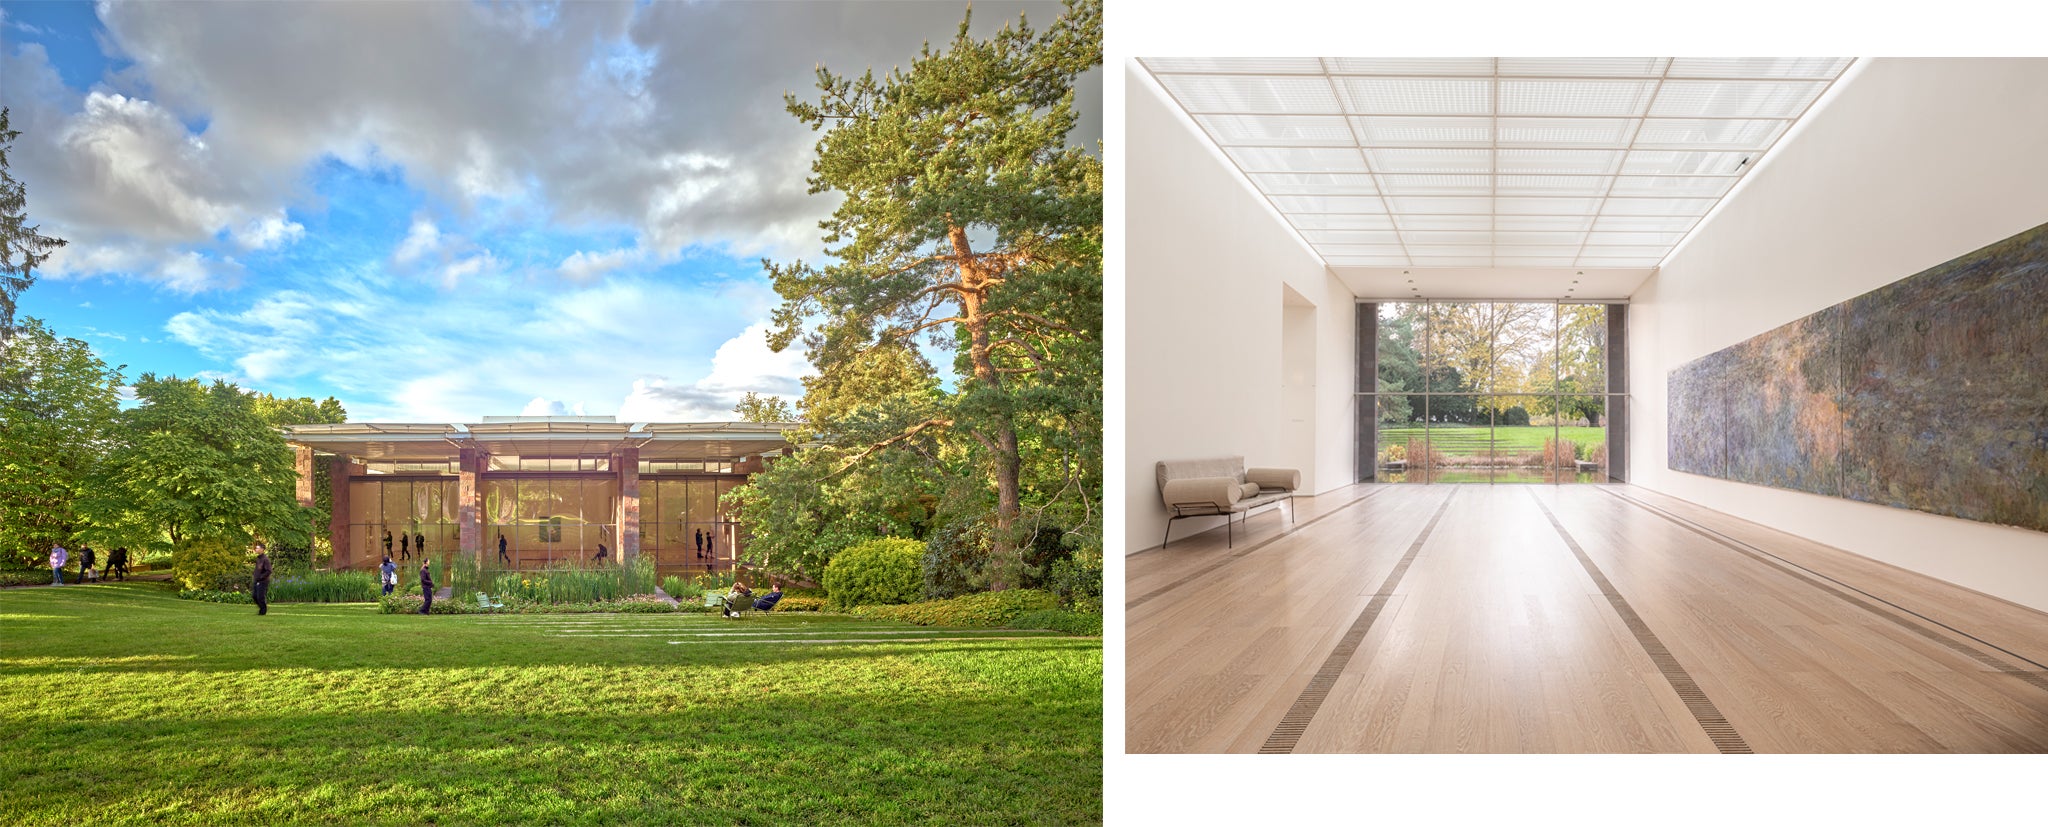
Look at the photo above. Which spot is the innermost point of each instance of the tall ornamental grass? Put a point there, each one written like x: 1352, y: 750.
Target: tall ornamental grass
x: 575, y: 582
x: 325, y: 587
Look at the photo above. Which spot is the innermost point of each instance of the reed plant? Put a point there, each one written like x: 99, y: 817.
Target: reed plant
x: 325, y: 587
x: 576, y: 583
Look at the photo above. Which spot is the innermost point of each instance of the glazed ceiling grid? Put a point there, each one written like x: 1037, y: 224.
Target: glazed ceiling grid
x: 1495, y: 162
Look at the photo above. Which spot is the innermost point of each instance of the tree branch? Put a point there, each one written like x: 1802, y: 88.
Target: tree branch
x: 913, y: 430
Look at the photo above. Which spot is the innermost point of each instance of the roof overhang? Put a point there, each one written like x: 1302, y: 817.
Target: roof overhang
x: 657, y: 441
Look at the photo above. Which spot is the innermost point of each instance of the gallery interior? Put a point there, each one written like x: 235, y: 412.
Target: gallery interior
x: 1637, y: 405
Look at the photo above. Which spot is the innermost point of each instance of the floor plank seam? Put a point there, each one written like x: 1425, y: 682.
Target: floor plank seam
x: 1836, y: 589
x: 1239, y: 554
x: 1294, y: 724
x: 1716, y: 726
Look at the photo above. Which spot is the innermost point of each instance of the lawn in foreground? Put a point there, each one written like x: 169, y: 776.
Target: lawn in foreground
x: 123, y: 704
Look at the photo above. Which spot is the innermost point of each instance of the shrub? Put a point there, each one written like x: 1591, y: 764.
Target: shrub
x: 574, y: 583
x: 396, y: 604
x: 215, y: 596
x: 1077, y: 583
x: 953, y: 558
x: 681, y: 588
x: 1516, y: 415
x: 876, y: 572
x: 989, y: 610
x: 791, y: 603
x: 212, y: 564
x: 1060, y: 620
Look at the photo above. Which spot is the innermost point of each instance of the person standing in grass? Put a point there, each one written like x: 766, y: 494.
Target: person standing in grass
x: 85, y: 564
x: 260, y: 589
x: 117, y: 564
x: 390, y: 571
x: 58, y: 557
x: 426, y: 589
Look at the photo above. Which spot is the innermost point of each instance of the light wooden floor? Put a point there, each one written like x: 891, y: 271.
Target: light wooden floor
x: 1497, y: 636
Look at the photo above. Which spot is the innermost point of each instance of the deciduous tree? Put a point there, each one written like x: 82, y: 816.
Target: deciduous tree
x: 58, y: 405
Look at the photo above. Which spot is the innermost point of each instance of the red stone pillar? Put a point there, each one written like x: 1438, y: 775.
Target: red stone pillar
x: 627, y: 462
x: 469, y: 512
x: 304, y: 467
x: 339, y: 470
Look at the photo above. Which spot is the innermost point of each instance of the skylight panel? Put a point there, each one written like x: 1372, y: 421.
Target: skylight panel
x: 1444, y: 222
x: 1426, y: 205
x: 1526, y: 251
x: 1254, y: 95
x: 1581, y: 185
x: 1437, y: 184
x: 1277, y: 130
x: 1421, y: 251
x: 1659, y: 162
x: 1547, y: 206
x: 1640, y: 67
x: 1322, y: 237
x: 1572, y: 240
x: 1637, y: 223
x: 1271, y: 159
x: 1576, y: 133
x: 1589, y: 262
x: 1443, y: 237
x: 1533, y: 261
x: 1560, y: 161
x: 1818, y: 68
x: 1410, y: 65
x: 1329, y: 203
x: 1735, y: 99
x: 1247, y: 65
x: 1340, y: 222
x: 1625, y: 239
x: 1416, y: 96
x: 1658, y: 206
x: 1313, y: 183
x: 1673, y: 185
x: 1453, y: 261
x: 1367, y: 261
x: 1635, y: 251
x: 1575, y: 97
x: 1699, y: 134
x: 1543, y: 223
x: 1328, y: 250
x: 1469, y: 161
x: 1425, y: 132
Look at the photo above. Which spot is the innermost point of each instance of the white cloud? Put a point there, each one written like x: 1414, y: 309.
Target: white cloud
x: 551, y: 407
x: 422, y: 239
x: 584, y: 266
x: 453, y: 274
x: 743, y: 363
x: 269, y: 231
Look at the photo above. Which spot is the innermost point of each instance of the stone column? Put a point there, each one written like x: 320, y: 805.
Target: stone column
x: 339, y: 470
x: 627, y: 462
x: 304, y: 467
x: 469, y: 512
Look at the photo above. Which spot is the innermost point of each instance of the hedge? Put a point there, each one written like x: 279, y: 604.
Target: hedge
x: 988, y: 610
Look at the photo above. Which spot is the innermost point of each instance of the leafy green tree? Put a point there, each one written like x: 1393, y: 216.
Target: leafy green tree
x: 58, y: 407
x: 22, y: 247
x: 198, y: 462
x: 966, y: 212
x: 755, y: 407
x: 278, y: 411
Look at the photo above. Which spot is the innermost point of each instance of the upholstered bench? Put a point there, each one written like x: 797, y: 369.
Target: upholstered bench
x: 1222, y: 487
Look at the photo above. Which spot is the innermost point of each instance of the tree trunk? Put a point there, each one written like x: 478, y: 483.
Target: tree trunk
x: 1009, y: 502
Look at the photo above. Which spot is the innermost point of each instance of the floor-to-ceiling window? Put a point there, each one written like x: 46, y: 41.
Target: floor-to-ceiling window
x: 1475, y: 391
x: 411, y: 503
x: 685, y: 524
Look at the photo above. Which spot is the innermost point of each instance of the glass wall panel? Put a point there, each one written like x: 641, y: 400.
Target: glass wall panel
x: 1459, y: 358
x: 397, y: 500
x: 1583, y: 423
x: 1582, y: 348
x: 363, y: 503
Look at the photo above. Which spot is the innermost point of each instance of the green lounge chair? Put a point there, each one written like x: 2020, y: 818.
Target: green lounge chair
x: 484, y: 601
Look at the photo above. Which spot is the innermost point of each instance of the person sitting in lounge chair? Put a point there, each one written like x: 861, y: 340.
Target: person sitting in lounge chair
x: 739, y: 600
x: 768, y: 601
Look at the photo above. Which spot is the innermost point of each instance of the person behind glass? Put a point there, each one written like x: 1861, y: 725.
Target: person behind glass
x: 502, y: 557
x: 700, y: 544
x: 390, y: 574
x: 601, y: 554
x: 387, y: 542
x: 260, y: 590
x: 58, y: 557
x: 426, y: 589
x: 419, y: 544
x: 85, y: 564
x: 404, y: 546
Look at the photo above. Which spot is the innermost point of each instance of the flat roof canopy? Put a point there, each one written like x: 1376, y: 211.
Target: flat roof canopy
x: 538, y: 437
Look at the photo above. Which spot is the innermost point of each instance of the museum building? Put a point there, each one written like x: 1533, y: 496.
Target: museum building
x: 536, y: 490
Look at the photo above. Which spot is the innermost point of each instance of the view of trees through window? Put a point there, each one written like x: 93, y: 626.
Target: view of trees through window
x: 1488, y: 392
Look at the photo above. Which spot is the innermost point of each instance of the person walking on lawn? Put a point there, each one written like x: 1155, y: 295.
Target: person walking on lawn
x: 117, y: 564
x: 58, y: 557
x: 85, y: 564
x: 261, y: 588
x: 389, y: 574
x: 426, y: 589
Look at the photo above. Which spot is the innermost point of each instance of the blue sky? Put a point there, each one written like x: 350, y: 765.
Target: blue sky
x: 436, y: 212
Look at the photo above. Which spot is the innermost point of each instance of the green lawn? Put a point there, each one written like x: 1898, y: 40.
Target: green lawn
x: 122, y: 704
x: 1462, y: 439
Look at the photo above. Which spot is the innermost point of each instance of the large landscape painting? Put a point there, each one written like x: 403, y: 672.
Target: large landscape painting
x: 1930, y: 393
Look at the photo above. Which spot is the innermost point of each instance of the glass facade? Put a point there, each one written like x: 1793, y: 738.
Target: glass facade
x: 684, y: 522
x: 1463, y: 391
x: 414, y: 513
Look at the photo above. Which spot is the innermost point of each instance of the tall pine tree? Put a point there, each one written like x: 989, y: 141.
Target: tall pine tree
x: 967, y: 217
x: 22, y: 247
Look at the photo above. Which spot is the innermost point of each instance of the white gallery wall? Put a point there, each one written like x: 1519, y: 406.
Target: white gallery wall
x: 1913, y: 162
x: 1210, y: 271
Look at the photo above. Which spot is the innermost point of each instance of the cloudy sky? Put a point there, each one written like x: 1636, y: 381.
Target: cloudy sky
x: 438, y: 211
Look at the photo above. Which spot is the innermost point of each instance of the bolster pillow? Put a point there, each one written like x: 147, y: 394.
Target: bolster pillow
x: 1249, y: 490
x: 1285, y: 479
x: 1222, y: 491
